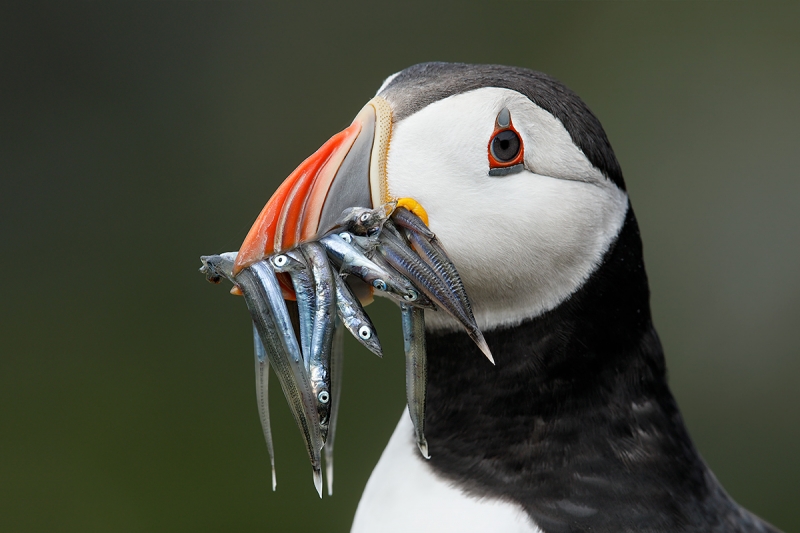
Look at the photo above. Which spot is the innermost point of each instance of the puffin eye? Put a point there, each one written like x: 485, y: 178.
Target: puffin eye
x: 505, y: 146
x: 506, y: 151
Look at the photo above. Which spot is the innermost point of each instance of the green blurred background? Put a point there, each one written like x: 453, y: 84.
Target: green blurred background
x: 137, y: 136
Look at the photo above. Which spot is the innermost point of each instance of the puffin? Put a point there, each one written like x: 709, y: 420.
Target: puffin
x: 573, y: 428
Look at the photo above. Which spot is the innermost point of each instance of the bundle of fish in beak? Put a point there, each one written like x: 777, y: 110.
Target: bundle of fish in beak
x: 387, y: 251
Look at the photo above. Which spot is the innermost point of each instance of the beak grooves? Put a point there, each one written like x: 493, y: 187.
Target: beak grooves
x: 282, y: 219
x: 322, y: 183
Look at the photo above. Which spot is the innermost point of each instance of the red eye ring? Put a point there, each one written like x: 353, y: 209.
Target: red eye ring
x: 505, y: 147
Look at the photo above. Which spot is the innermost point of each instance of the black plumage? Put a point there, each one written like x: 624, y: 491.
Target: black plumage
x: 420, y: 85
x: 576, y: 423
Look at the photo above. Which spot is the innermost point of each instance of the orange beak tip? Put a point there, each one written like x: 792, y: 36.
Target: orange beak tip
x: 292, y: 213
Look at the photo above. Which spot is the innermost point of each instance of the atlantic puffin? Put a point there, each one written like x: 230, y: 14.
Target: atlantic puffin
x: 574, y: 428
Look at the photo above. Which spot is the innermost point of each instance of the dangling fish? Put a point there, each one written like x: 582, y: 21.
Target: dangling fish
x: 413, y: 320
x: 393, y: 252
x: 292, y: 263
x: 264, y: 300
x: 322, y: 332
x: 262, y: 397
x: 354, y: 318
x: 337, y: 361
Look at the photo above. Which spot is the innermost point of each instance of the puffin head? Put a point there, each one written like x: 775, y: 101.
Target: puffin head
x: 507, y: 166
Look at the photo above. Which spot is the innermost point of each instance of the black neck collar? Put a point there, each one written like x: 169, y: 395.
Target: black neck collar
x: 576, y: 422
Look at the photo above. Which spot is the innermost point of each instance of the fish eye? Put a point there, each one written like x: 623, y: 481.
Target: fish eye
x: 364, y: 217
x: 411, y: 296
x: 346, y: 237
x: 379, y: 284
x: 505, y: 146
x: 364, y: 332
x: 323, y: 397
x: 280, y: 260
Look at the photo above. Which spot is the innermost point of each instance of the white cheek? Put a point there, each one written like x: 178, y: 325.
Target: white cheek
x: 522, y: 243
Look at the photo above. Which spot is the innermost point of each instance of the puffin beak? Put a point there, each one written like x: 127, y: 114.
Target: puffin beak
x: 349, y: 170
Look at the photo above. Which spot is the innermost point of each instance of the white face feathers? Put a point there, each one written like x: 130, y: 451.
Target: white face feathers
x: 523, y: 242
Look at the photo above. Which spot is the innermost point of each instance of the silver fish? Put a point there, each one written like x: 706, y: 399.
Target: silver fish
x: 352, y: 260
x: 419, y: 300
x: 364, y: 221
x: 413, y: 320
x: 286, y: 263
x: 387, y: 249
x: 322, y: 333
x: 406, y: 219
x: 273, y: 326
x: 394, y: 249
x: 366, y: 244
x: 305, y: 294
x: 337, y: 360
x: 216, y: 267
x: 262, y: 396
x: 428, y: 247
x: 264, y: 300
x: 354, y: 318
x: 433, y: 254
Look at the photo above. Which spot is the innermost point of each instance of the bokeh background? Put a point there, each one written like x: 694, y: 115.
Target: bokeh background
x: 136, y: 136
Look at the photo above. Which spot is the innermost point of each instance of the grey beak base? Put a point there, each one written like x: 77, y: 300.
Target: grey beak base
x: 351, y: 186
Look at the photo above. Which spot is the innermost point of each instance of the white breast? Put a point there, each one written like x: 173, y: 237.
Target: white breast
x: 403, y: 494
